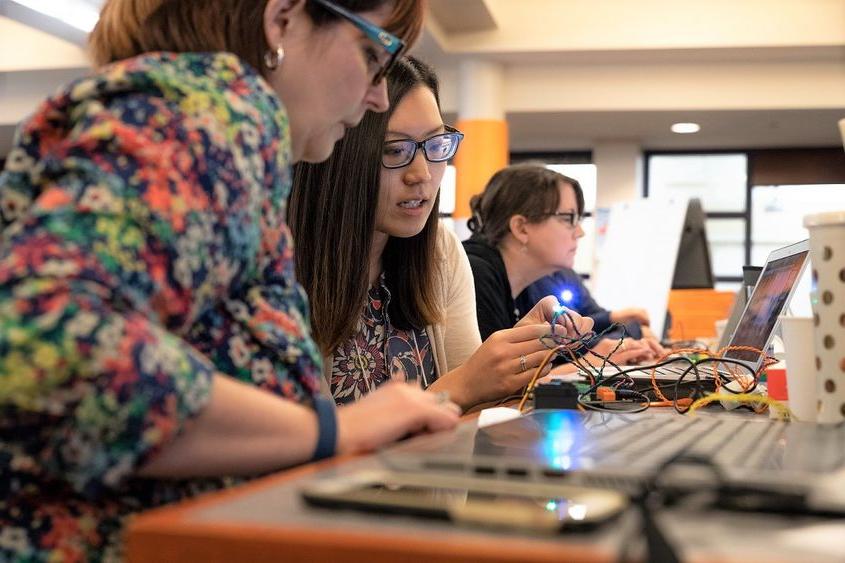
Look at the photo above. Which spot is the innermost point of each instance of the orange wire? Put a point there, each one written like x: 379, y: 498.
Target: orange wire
x: 537, y: 372
x: 657, y: 392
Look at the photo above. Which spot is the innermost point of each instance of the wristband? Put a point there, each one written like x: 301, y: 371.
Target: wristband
x: 326, y: 428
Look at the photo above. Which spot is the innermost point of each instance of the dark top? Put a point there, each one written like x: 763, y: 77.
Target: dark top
x: 579, y: 299
x: 559, y: 283
x: 493, y: 301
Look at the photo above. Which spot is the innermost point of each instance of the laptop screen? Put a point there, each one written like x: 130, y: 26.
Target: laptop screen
x: 767, y: 302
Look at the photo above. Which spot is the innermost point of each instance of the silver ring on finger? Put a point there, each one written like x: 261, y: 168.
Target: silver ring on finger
x: 522, y: 365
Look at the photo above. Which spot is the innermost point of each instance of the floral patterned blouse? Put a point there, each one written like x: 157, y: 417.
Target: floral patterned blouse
x: 143, y: 248
x: 379, y: 352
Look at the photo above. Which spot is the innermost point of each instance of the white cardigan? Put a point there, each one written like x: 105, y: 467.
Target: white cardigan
x: 456, y: 338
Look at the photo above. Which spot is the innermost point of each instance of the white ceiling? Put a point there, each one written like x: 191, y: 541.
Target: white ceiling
x: 579, y: 72
x: 754, y: 74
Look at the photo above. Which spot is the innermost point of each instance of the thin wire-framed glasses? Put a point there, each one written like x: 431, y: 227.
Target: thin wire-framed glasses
x: 569, y: 217
x: 392, y: 45
x: 437, y: 148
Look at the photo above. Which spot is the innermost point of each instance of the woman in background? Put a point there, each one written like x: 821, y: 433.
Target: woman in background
x: 526, y: 225
x: 567, y: 282
x: 390, y: 286
x: 152, y: 335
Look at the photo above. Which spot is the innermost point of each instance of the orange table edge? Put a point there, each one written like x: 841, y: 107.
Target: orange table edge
x: 169, y: 534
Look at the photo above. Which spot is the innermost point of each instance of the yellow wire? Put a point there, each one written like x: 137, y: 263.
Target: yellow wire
x: 746, y: 398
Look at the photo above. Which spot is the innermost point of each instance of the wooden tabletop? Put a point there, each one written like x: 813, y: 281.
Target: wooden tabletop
x: 265, y: 520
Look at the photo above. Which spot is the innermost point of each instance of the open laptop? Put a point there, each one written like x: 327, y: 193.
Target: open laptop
x: 799, y: 464
x: 756, y: 327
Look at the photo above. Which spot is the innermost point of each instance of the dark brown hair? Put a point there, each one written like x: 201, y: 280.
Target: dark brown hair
x: 332, y: 215
x: 528, y: 189
x: 130, y: 27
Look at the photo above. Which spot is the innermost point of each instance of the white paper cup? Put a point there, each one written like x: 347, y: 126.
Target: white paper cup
x: 801, y: 386
x: 827, y: 254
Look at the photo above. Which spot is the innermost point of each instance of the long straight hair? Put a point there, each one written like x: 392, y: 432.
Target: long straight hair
x: 332, y: 216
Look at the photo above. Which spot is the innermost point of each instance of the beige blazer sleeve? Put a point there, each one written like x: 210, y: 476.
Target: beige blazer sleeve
x: 457, y: 337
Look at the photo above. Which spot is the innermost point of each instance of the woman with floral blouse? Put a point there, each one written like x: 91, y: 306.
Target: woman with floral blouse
x: 396, y: 267
x: 153, y: 339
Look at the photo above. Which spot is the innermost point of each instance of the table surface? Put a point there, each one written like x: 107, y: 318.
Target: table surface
x: 266, y: 520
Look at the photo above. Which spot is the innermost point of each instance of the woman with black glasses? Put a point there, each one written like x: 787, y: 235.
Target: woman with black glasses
x: 526, y: 225
x: 390, y: 287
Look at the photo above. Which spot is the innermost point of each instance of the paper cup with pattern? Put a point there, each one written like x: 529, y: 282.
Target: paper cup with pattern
x: 827, y: 254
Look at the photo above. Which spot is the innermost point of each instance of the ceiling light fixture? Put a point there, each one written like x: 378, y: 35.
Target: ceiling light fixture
x: 76, y: 13
x: 685, y: 128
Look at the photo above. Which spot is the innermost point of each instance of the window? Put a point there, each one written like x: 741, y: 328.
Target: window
x: 726, y: 239
x: 720, y: 181
x: 755, y: 200
x: 586, y: 176
x: 777, y: 214
x: 447, y: 191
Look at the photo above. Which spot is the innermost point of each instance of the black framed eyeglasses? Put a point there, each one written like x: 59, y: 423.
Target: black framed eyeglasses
x: 569, y: 217
x: 392, y: 45
x: 437, y: 148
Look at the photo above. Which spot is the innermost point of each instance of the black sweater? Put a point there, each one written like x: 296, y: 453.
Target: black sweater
x: 581, y: 299
x: 493, y: 301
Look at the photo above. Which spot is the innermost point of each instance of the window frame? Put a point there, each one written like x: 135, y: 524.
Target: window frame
x: 750, y: 155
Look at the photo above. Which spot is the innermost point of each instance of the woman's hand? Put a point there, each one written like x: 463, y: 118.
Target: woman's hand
x: 632, y: 314
x: 502, y: 366
x: 629, y: 352
x: 544, y: 311
x: 653, y: 343
x: 391, y: 412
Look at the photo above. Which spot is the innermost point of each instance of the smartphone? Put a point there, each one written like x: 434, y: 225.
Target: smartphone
x: 475, y: 501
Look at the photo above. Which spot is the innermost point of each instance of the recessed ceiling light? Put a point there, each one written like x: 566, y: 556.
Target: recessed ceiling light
x: 685, y: 128
x: 77, y: 13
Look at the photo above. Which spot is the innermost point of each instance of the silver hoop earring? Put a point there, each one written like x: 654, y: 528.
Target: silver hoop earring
x: 272, y: 59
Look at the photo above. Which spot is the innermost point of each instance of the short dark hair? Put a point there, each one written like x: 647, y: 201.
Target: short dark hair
x: 332, y: 216
x: 528, y: 189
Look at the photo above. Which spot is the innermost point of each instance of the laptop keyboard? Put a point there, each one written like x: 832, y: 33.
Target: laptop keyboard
x: 730, y: 442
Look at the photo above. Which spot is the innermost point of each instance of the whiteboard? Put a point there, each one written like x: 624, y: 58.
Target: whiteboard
x: 636, y: 261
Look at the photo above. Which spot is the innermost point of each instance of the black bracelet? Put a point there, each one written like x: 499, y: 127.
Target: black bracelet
x: 326, y: 428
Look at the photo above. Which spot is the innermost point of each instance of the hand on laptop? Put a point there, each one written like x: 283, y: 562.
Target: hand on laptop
x: 628, y: 315
x: 392, y: 411
x: 630, y: 352
x: 653, y: 342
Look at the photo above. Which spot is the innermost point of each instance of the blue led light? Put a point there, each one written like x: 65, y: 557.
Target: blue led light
x: 566, y: 296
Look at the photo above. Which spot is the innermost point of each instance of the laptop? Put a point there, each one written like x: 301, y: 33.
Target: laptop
x: 756, y: 327
x: 799, y: 466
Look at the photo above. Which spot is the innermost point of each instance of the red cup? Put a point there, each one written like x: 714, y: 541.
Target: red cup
x: 776, y: 381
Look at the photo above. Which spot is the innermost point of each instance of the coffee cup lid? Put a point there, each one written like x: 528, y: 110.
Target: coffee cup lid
x: 826, y: 218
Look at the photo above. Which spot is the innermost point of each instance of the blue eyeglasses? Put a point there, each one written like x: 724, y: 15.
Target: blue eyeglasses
x: 391, y: 44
